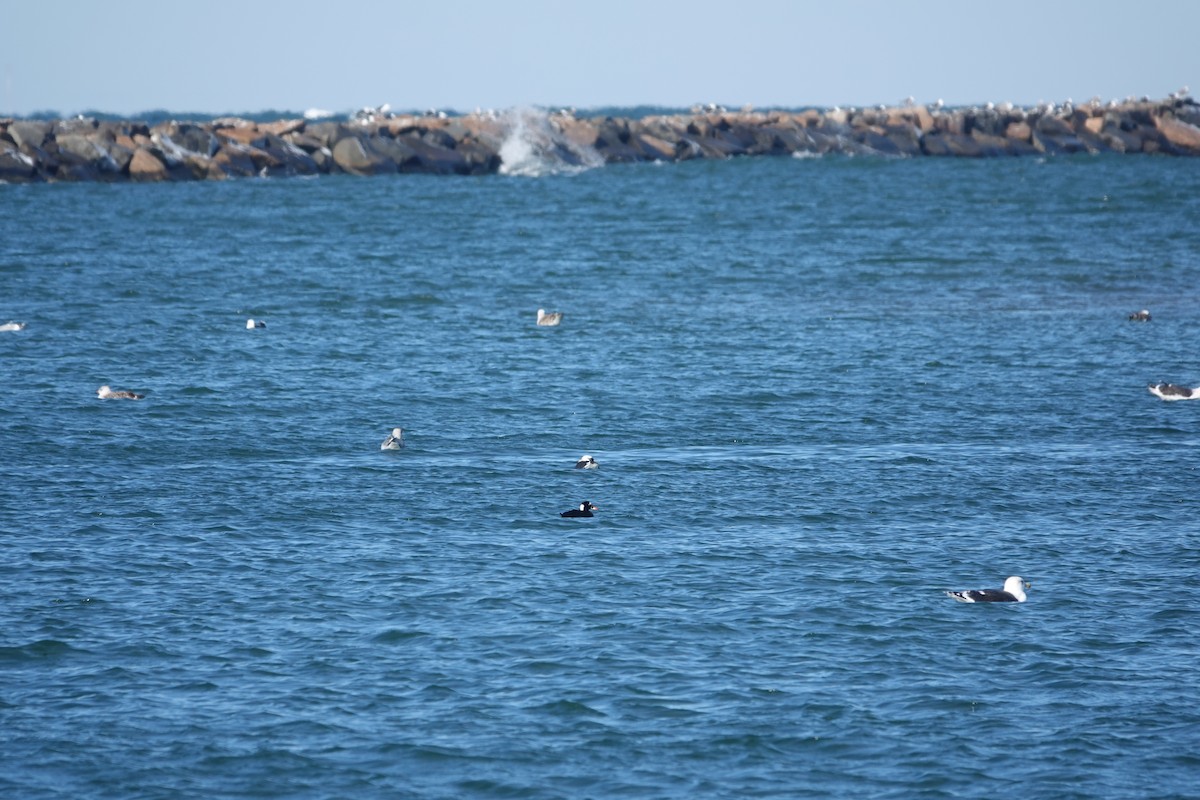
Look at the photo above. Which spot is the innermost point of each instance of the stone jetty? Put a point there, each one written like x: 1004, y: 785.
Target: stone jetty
x: 379, y: 143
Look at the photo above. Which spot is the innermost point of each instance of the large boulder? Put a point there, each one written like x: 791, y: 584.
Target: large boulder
x: 233, y: 160
x: 78, y: 149
x: 29, y: 134
x: 194, y: 138
x: 939, y: 143
x: 357, y: 156
x: 144, y: 167
x: 289, y: 159
x: 15, y: 166
x: 1181, y: 135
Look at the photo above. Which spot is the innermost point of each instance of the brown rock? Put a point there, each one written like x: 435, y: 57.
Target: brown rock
x: 1094, y: 124
x: 233, y: 159
x: 144, y: 167
x: 245, y: 134
x: 950, y: 144
x: 1180, y: 134
x: 282, y: 127
x: 1018, y: 131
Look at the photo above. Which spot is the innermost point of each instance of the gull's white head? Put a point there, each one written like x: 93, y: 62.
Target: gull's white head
x: 104, y: 391
x: 398, y: 432
x: 1016, y: 587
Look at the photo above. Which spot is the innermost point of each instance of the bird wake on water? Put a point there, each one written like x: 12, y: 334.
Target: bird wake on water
x: 1171, y: 391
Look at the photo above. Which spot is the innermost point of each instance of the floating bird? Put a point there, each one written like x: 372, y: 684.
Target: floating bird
x: 553, y: 318
x: 395, y: 441
x: 1140, y: 316
x: 586, y: 462
x: 1169, y: 391
x: 1013, y: 592
x: 106, y: 393
x: 585, y: 509
x: 12, y: 326
x: 251, y: 324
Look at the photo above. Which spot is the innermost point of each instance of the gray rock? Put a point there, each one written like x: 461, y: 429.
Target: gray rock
x: 357, y: 156
x: 29, y: 133
x: 15, y: 166
x: 78, y: 149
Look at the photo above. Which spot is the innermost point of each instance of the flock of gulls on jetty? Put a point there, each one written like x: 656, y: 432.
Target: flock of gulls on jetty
x: 1014, y: 586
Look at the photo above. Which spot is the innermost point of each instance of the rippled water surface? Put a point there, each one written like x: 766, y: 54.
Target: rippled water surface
x: 821, y: 392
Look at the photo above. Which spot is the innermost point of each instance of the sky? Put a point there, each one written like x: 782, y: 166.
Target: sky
x: 252, y: 56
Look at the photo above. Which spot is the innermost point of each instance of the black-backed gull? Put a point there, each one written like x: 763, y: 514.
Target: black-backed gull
x: 106, y: 393
x: 251, y: 324
x: 551, y: 318
x: 586, y: 462
x: 1013, y: 592
x: 1140, y: 316
x: 584, y: 509
x: 395, y: 441
x: 1170, y: 391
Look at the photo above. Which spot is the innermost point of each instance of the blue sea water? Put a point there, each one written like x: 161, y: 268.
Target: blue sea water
x: 821, y: 392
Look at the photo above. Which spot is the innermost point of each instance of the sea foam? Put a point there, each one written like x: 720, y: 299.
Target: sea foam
x: 536, y: 145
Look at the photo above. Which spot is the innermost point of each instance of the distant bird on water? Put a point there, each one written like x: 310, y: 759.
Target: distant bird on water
x: 1170, y: 391
x: 106, y: 393
x: 1140, y: 316
x: 584, y: 509
x: 1013, y: 592
x: 251, y: 324
x: 551, y: 318
x: 586, y: 462
x: 12, y: 326
x: 395, y: 441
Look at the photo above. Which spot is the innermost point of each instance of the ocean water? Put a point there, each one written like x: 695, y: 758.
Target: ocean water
x: 821, y: 392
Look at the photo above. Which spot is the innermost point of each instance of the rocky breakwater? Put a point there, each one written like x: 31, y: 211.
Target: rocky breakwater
x: 84, y: 149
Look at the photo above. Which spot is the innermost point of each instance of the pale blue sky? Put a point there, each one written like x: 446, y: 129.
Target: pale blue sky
x: 218, y: 56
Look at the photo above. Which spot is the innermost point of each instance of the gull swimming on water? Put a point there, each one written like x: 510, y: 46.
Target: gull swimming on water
x: 1013, y: 592
x: 395, y: 441
x: 1140, y: 316
x: 586, y: 462
x: 1171, y: 391
x: 12, y: 326
x: 106, y: 393
x: 251, y: 324
x: 552, y: 318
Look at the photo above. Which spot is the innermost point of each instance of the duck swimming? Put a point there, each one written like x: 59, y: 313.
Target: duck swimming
x: 106, y: 393
x: 551, y: 318
x: 586, y: 462
x: 585, y: 509
x: 395, y: 441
